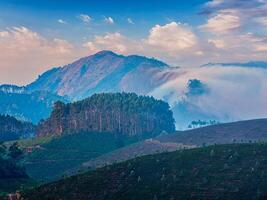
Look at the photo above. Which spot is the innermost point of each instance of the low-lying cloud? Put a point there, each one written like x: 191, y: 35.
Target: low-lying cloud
x: 235, y: 93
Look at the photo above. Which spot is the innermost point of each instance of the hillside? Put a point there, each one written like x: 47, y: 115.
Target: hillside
x: 13, y: 129
x: 216, y: 172
x: 55, y: 157
x: 241, y: 131
x: 236, y: 132
x: 120, y: 113
x: 12, y: 177
x: 104, y: 71
x: 27, y: 106
x: 146, y: 147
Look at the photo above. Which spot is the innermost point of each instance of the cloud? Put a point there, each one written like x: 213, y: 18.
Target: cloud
x: 223, y: 22
x: 172, y: 37
x: 115, y: 42
x: 255, y: 7
x: 234, y: 30
x: 173, y: 42
x: 246, y: 11
x: 85, y: 18
x: 109, y: 20
x: 130, y: 21
x: 262, y: 21
x: 61, y: 21
x: 220, y: 44
x: 25, y: 54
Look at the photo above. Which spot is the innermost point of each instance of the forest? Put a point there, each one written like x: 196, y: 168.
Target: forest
x: 120, y: 113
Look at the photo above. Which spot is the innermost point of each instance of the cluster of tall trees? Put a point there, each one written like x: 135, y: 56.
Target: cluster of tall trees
x: 13, y: 129
x: 122, y: 113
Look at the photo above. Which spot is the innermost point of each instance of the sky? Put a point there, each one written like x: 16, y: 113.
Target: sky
x: 38, y: 35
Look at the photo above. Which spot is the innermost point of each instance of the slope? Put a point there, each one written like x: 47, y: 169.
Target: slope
x: 216, y: 172
x: 236, y: 132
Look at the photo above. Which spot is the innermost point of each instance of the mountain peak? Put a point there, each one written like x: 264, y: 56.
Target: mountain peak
x: 105, y: 53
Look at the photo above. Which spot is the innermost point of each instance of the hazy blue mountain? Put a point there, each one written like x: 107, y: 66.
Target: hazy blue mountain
x: 12, y: 89
x: 27, y: 106
x: 13, y: 129
x: 104, y: 71
x: 250, y: 64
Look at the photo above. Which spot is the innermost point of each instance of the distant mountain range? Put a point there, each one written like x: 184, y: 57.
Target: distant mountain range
x: 27, y: 106
x: 250, y: 64
x: 13, y: 129
x: 12, y: 89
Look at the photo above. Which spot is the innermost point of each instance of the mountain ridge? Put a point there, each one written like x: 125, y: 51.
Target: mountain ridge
x: 101, y: 72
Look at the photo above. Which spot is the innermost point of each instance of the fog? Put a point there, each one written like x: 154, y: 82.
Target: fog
x: 234, y: 93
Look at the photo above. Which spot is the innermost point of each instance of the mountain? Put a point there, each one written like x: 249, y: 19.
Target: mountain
x: 104, y: 71
x: 250, y: 64
x: 123, y: 113
x: 236, y: 171
x: 12, y: 89
x: 13, y: 129
x: 27, y: 106
x: 236, y: 132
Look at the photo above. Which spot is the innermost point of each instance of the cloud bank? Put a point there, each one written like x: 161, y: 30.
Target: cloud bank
x: 234, y: 93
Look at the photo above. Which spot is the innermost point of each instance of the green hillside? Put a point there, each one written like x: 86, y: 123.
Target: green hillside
x: 61, y: 156
x: 236, y: 171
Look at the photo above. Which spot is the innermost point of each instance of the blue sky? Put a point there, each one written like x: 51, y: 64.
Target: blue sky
x: 45, y: 33
x: 42, y: 15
